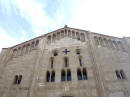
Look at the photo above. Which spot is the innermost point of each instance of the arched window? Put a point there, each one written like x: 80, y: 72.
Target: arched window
x: 84, y: 74
x: 49, y: 39
x: 66, y: 61
x: 78, y: 36
x: 15, y: 79
x: 37, y: 42
x: 62, y: 34
x: 73, y: 34
x: 32, y: 45
x: 65, y: 32
x: 69, y: 33
x: 122, y: 74
x: 47, y: 76
x: 79, y: 74
x: 118, y: 74
x: 28, y: 48
x: 68, y: 75
x: 52, y: 62
x: 53, y: 76
x: 96, y: 40
x: 58, y: 35
x: 63, y: 75
x: 54, y: 37
x: 80, y: 61
x: 19, y: 79
x: 82, y: 37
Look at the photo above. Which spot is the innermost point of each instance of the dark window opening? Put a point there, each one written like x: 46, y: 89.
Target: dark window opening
x: 84, y: 74
x: 15, y: 79
x: 66, y: 62
x: 48, y: 77
x: 80, y: 61
x: 63, y: 75
x: 19, y: 79
x: 79, y: 74
x: 68, y: 75
x: 52, y: 62
x: 53, y: 77
x: 122, y: 74
x: 118, y: 74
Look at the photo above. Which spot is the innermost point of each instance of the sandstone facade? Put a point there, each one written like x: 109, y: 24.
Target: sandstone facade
x: 67, y: 62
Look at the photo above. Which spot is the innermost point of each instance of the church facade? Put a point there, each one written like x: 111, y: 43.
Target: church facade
x: 67, y: 62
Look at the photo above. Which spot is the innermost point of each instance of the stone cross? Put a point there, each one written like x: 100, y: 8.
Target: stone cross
x: 66, y: 51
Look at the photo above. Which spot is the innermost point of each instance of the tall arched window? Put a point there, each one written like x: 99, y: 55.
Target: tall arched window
x: 78, y: 36
x: 68, y: 75
x: 69, y: 33
x: 80, y: 60
x: 79, y: 74
x: 15, y: 79
x: 52, y: 62
x: 63, y: 75
x: 58, y: 35
x: 66, y: 61
x: 82, y: 37
x: 84, y: 74
x: 37, y: 42
x: 73, y: 34
x: 15, y: 52
x: 118, y: 74
x: 19, y: 79
x: 53, y: 76
x: 54, y: 37
x: 122, y: 74
x: 48, y: 76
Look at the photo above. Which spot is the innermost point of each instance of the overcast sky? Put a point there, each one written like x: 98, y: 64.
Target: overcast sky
x: 21, y: 20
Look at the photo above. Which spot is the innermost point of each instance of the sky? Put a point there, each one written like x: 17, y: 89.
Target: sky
x: 22, y: 20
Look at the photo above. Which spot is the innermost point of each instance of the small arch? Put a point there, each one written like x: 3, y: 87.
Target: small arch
x: 68, y: 75
x: 63, y: 75
x: 118, y: 74
x: 47, y: 76
x: 80, y: 61
x: 52, y: 62
x: 49, y: 39
x: 79, y: 74
x: 19, y: 79
x: 32, y: 45
x: 66, y: 61
x: 15, y: 79
x: 96, y: 40
x: 84, y: 74
x: 69, y: 33
x: 82, y: 37
x: 54, y: 37
x: 62, y: 33
x: 53, y: 76
x: 58, y: 35
x: 37, y: 42
x: 73, y: 34
x: 77, y: 35
x: 122, y: 74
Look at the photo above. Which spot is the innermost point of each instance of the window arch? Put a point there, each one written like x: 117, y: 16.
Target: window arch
x: 69, y: 33
x: 84, y: 74
x: 77, y: 35
x: 54, y: 37
x: 49, y: 39
x: 73, y: 34
x: 62, y: 34
x: 63, y: 75
x: 58, y: 35
x: 82, y: 37
x: 15, y: 79
x: 52, y: 62
x: 122, y: 74
x: 118, y: 74
x: 53, y: 76
x: 47, y: 76
x: 80, y: 60
x: 37, y: 42
x: 79, y: 74
x: 19, y: 79
x: 68, y: 75
x: 66, y: 61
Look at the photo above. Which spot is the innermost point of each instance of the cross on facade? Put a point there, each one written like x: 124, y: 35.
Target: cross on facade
x: 66, y: 51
